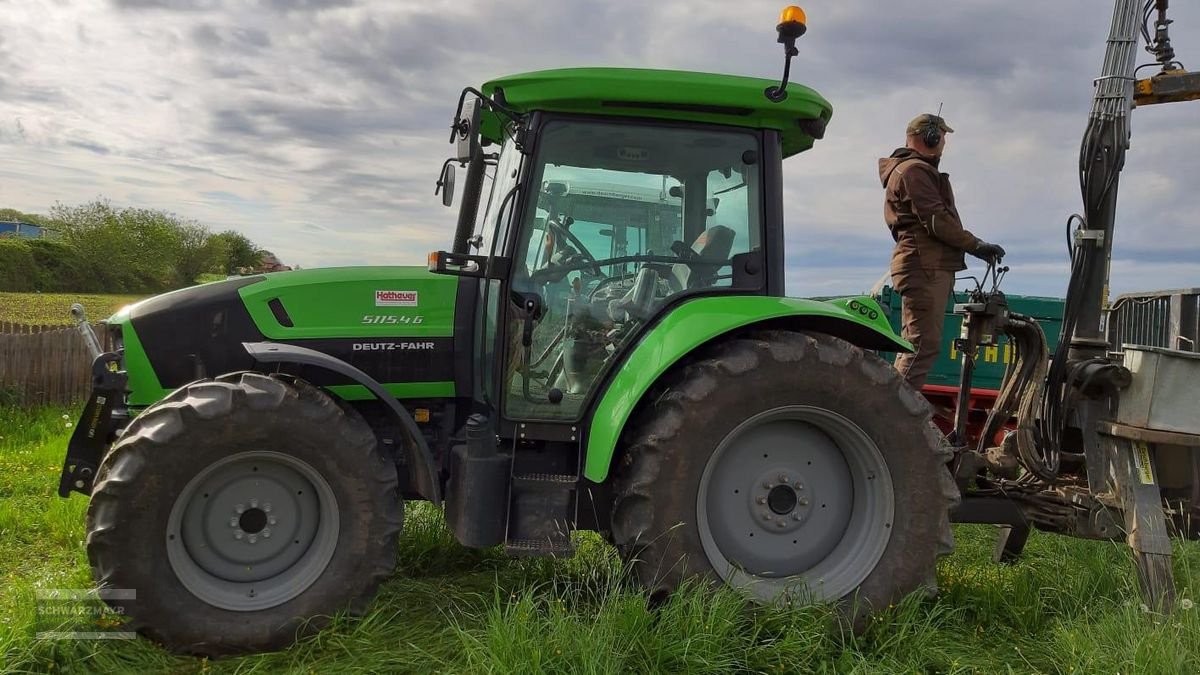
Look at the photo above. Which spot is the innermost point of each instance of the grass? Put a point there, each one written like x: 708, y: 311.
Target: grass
x: 1067, y: 607
x: 54, y: 308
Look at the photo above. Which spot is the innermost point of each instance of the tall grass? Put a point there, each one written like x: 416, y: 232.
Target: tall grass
x: 1066, y: 607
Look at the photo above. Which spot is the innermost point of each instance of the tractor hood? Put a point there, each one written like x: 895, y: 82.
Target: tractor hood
x: 395, y: 323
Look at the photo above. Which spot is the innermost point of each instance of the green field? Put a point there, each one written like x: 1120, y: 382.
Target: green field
x: 54, y: 308
x: 1068, y: 606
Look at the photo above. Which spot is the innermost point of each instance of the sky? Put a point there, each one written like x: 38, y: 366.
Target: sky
x: 317, y: 127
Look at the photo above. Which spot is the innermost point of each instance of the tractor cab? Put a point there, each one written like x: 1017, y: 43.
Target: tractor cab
x: 613, y: 195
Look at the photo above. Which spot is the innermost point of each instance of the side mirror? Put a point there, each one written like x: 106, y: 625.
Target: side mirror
x: 446, y: 183
x: 466, y: 138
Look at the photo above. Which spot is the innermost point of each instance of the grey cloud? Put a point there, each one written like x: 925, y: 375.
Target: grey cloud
x: 90, y: 147
x: 173, y: 5
x: 239, y: 40
x: 194, y: 5
x: 306, y: 5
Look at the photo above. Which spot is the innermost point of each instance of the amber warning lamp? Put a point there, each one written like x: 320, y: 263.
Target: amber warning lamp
x: 792, y: 24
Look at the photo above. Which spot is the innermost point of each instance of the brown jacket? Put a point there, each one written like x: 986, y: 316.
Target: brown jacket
x: 919, y: 209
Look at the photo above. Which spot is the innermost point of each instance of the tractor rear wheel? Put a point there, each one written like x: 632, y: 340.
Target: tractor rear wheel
x: 791, y: 466
x: 243, y: 513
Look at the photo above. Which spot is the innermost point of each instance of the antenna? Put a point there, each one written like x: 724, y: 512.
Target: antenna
x: 939, y: 113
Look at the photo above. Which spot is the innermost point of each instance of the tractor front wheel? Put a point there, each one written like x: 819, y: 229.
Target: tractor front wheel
x: 238, y: 514
x: 791, y: 466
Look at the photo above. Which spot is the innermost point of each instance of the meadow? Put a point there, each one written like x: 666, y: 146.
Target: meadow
x: 53, y: 309
x: 1066, y: 607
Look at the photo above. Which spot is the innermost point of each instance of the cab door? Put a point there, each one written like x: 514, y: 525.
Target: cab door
x: 621, y: 220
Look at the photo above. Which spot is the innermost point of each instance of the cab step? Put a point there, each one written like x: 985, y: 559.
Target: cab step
x: 545, y: 481
x: 557, y: 547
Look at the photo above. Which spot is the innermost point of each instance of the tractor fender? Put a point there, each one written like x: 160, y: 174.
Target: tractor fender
x: 858, y: 320
x: 420, y: 458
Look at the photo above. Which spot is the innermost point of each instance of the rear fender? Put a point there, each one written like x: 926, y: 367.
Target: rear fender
x: 420, y: 458
x: 858, y: 320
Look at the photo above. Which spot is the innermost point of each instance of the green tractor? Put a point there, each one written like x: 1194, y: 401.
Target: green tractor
x: 606, y: 346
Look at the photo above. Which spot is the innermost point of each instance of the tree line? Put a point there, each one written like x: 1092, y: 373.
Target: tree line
x: 100, y: 248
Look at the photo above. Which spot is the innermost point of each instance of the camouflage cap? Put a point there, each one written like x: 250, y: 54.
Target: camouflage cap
x: 921, y: 121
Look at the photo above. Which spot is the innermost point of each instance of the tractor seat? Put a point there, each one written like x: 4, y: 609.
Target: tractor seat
x: 715, y: 243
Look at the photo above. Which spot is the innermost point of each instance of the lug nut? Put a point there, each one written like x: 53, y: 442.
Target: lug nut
x: 253, y: 539
x: 768, y: 484
x: 781, y: 522
x: 761, y: 500
x: 796, y: 516
x: 267, y: 507
x: 803, y: 501
x: 766, y: 515
x: 271, y: 520
x: 266, y: 533
x: 237, y: 535
x: 783, y: 478
x: 799, y: 485
x: 254, y: 503
x: 240, y: 508
x: 233, y: 522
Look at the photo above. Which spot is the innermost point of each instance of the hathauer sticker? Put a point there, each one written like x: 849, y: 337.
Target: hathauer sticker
x: 395, y: 298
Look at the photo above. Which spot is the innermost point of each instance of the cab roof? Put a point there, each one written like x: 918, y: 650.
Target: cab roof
x: 668, y: 94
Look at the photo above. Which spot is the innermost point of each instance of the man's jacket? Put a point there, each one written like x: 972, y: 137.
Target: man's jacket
x: 919, y: 210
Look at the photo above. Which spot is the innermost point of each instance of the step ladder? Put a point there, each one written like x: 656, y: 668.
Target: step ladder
x: 543, y: 491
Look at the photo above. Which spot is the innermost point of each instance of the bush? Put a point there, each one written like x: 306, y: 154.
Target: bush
x: 45, y: 266
x: 17, y: 268
x: 101, y: 248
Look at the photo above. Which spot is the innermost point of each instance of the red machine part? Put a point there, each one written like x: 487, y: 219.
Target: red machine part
x: 945, y: 399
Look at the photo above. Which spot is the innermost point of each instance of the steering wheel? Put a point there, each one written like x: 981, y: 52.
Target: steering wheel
x: 578, y: 245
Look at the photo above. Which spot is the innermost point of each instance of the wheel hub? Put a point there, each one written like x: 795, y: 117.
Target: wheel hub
x: 254, y: 521
x: 780, y: 500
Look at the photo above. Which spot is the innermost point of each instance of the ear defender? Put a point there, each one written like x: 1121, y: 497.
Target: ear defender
x: 932, y: 134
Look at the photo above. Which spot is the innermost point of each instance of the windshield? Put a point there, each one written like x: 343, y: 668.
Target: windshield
x: 625, y: 217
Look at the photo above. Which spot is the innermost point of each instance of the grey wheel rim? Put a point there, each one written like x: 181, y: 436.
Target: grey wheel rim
x: 252, y: 531
x: 795, y: 503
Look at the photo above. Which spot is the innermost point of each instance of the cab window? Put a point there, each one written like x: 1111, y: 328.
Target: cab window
x: 621, y: 220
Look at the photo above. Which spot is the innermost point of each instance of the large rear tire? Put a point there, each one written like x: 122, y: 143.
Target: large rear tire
x: 243, y: 513
x: 791, y: 466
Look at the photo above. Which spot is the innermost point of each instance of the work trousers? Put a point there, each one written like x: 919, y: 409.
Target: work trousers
x: 923, y: 296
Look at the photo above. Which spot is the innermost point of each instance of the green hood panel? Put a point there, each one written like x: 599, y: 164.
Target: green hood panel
x: 354, y: 302
x: 858, y: 320
x: 366, y: 316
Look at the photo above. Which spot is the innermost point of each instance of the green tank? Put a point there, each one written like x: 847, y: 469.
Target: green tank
x: 989, y: 369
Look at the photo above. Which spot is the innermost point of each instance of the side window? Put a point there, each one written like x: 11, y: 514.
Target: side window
x: 731, y: 214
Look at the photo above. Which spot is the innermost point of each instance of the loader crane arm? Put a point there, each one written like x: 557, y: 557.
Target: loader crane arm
x: 1173, y: 83
x: 1086, y: 472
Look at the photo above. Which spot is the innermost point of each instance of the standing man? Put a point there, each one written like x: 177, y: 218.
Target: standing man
x: 930, y: 240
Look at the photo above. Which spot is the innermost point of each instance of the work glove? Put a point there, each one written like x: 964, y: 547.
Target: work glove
x: 988, y: 252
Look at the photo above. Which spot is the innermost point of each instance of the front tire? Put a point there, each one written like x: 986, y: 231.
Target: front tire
x: 243, y: 513
x: 791, y: 466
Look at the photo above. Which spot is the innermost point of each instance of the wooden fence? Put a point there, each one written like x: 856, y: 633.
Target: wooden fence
x: 42, y: 365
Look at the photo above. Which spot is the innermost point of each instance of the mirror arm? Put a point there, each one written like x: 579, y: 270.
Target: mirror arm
x: 461, y: 126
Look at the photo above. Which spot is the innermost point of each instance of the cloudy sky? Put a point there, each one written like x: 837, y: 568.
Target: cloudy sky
x: 317, y: 126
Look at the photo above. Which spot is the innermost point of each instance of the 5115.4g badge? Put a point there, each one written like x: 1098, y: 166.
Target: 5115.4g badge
x: 391, y: 319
